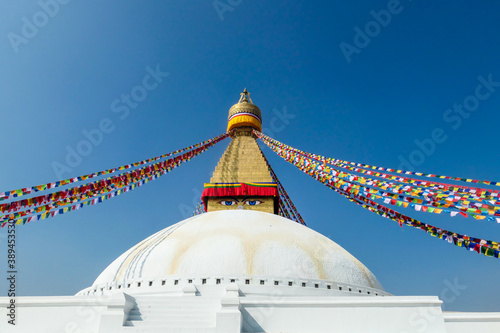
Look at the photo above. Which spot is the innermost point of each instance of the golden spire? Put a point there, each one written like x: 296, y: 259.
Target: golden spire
x: 242, y: 179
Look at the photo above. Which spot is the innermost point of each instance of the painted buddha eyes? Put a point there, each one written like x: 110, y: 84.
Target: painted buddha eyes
x: 228, y: 202
x: 234, y: 202
x: 252, y: 202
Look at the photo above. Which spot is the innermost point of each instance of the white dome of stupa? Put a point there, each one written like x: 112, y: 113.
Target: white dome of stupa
x: 237, y: 243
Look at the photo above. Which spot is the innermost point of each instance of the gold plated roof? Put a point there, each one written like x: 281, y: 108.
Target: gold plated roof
x: 242, y: 162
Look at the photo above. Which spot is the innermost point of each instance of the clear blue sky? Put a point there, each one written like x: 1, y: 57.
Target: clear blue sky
x: 367, y: 104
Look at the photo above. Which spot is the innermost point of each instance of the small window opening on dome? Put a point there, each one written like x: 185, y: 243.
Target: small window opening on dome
x: 203, y: 281
x: 350, y: 289
x: 150, y: 283
x: 360, y: 291
x: 376, y: 294
x: 138, y: 284
x: 217, y: 281
x: 176, y: 282
x: 303, y: 284
x: 328, y: 286
x: 368, y: 292
x: 233, y: 280
x: 316, y: 285
x: 109, y: 288
x: 247, y: 281
x: 128, y: 285
x: 276, y: 283
x: 102, y: 289
x: 261, y: 281
x: 290, y: 283
x: 340, y: 288
x: 190, y: 281
x: 119, y: 286
x: 163, y: 282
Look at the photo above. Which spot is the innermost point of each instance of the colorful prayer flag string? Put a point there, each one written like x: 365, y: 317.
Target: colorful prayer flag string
x: 28, y: 190
x: 346, y: 189
x: 101, y: 186
x: 200, y: 209
x: 400, y: 179
x: 58, y: 204
x: 479, y: 203
x: 286, y: 206
x: 367, y: 166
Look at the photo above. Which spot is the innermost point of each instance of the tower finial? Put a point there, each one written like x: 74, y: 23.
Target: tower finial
x: 244, y: 113
x: 245, y: 97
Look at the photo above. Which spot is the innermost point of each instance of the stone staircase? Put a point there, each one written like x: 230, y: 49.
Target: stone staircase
x: 173, y: 314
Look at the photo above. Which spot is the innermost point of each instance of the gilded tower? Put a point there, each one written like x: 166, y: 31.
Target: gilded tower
x: 242, y: 179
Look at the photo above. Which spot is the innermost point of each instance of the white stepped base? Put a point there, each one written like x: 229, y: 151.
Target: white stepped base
x: 178, y: 313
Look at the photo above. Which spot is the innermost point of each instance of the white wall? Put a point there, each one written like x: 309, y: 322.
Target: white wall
x: 61, y: 314
x: 343, y: 314
x: 466, y: 322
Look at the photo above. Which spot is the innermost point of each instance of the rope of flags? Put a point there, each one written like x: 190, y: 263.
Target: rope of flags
x: 286, y: 207
x: 38, y: 188
x: 343, y: 163
x: 61, y: 202
x: 363, y: 194
x: 62, y: 198
x: 200, y: 209
x: 450, y: 199
x: 95, y: 200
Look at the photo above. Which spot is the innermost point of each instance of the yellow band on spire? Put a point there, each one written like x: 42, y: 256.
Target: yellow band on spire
x: 244, y: 120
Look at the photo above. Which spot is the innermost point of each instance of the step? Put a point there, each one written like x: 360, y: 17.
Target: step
x: 177, y: 300
x: 159, y: 309
x: 247, y: 166
x: 242, y: 150
x: 179, y: 321
x: 207, y: 314
x: 240, y: 173
x: 165, y: 325
x: 160, y: 312
x: 199, y: 306
x: 242, y: 159
x: 173, y: 308
x: 167, y: 329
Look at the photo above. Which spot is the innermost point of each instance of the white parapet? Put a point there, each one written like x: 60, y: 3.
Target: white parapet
x: 410, y: 314
x: 466, y: 322
x: 55, y: 313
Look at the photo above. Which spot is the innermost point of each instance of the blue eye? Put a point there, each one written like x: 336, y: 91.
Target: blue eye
x: 253, y: 202
x: 227, y: 202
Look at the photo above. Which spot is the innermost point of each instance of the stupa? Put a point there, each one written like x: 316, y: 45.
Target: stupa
x: 239, y: 267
